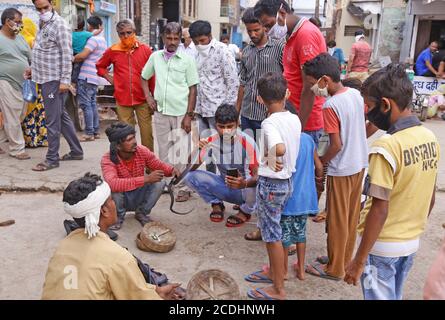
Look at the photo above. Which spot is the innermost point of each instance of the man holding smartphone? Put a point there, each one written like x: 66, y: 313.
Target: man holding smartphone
x: 235, y: 155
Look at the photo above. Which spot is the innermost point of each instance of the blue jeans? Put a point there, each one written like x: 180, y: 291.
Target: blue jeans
x: 212, y: 189
x: 383, y: 278
x: 86, y: 98
x: 141, y: 200
x: 250, y: 126
x: 315, y: 135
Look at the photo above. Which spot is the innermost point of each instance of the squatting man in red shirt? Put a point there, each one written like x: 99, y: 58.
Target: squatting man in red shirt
x: 123, y: 168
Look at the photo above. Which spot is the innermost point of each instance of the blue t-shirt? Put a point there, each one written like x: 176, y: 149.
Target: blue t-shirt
x: 304, y: 200
x: 80, y: 39
x: 423, y: 57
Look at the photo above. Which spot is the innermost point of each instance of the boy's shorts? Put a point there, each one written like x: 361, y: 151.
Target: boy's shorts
x: 271, y: 197
x: 294, y: 230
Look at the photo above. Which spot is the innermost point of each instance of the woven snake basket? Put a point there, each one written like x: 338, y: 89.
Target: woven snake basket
x: 212, y: 284
x: 157, y: 237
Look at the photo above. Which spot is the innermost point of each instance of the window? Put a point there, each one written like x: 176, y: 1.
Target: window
x: 134, y: 13
x: 195, y: 10
x: 190, y: 8
x: 350, y: 30
x: 184, y: 7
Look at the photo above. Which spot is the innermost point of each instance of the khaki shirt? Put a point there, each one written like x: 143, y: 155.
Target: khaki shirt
x: 98, y: 269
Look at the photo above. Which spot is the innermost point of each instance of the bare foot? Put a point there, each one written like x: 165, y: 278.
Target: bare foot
x: 299, y: 272
x: 270, y: 292
x: 266, y: 270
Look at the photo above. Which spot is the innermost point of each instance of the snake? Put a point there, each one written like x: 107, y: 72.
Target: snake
x: 170, y: 186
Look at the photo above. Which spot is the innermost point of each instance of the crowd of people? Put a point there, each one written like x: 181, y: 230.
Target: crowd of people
x: 272, y: 137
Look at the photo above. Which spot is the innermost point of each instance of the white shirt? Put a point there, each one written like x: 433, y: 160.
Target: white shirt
x: 190, y: 50
x: 233, y: 48
x: 280, y: 127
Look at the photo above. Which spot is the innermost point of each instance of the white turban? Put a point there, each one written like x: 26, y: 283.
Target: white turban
x: 357, y: 38
x: 90, y: 208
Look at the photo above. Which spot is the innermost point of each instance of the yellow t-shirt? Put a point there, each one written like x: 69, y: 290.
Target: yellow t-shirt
x: 94, y: 269
x: 405, y: 164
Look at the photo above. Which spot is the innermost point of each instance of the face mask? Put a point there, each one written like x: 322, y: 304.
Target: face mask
x: 16, y: 28
x: 203, y: 49
x: 277, y: 31
x: 331, y: 51
x: 379, y: 119
x: 45, y: 17
x: 129, y: 42
x: 168, y: 55
x: 319, y: 92
x: 228, y: 135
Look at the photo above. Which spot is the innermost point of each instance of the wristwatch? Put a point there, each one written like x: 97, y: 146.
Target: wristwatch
x: 191, y: 114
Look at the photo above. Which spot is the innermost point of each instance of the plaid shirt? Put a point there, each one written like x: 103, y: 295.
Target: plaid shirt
x: 52, y: 54
x: 129, y: 175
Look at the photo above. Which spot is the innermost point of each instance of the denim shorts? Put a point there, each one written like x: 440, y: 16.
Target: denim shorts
x: 294, y: 229
x: 271, y: 197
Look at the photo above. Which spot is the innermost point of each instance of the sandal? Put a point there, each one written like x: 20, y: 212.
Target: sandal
x: 253, y: 235
x: 69, y: 157
x: 238, y: 221
x: 258, y: 277
x: 322, y: 259
x: 86, y: 138
x: 21, y: 156
x: 259, y: 294
x: 318, y: 271
x: 217, y: 216
x: 321, y: 217
x: 45, y: 166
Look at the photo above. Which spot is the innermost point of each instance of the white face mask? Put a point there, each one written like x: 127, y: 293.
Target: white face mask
x: 46, y: 16
x: 331, y: 51
x: 204, y: 49
x: 357, y: 38
x: 228, y: 135
x: 319, y: 92
x: 277, y: 31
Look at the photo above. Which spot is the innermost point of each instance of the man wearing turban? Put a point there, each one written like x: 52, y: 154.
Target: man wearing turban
x: 87, y: 264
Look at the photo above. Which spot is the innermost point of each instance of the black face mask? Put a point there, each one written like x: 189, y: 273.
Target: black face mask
x: 379, y: 119
x: 182, y: 40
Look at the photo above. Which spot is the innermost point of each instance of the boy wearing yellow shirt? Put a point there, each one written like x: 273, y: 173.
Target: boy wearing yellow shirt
x: 401, y: 184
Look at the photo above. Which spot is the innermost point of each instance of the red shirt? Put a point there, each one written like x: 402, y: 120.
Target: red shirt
x: 304, y: 44
x: 362, y: 52
x: 129, y: 175
x: 127, y: 68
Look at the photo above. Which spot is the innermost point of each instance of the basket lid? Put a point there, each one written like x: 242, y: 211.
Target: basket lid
x: 157, y: 237
x: 212, y: 284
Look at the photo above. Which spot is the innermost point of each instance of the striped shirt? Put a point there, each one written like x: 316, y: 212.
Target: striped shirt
x: 52, y: 53
x: 256, y: 62
x: 129, y: 175
x: 88, y: 71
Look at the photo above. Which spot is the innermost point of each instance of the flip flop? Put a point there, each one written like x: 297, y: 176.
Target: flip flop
x: 264, y: 296
x: 239, y: 222
x: 257, y: 277
x: 45, y: 166
x: 70, y: 157
x: 321, y: 273
x: 21, y: 156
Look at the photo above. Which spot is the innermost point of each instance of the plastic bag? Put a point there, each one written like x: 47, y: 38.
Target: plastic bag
x: 29, y: 91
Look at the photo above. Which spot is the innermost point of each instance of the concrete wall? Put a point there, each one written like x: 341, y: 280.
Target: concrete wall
x: 392, y: 28
x: 210, y: 11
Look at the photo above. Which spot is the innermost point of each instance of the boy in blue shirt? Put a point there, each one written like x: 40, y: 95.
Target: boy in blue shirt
x: 303, y: 202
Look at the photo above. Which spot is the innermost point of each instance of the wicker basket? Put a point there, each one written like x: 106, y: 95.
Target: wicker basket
x: 157, y: 237
x: 212, y: 284
x: 140, y: 244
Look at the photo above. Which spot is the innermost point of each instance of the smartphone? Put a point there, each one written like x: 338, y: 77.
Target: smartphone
x: 232, y: 172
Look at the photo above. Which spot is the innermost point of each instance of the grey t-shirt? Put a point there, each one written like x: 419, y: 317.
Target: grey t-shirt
x: 15, y: 55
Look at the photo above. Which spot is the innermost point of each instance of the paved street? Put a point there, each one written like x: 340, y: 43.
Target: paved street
x: 27, y: 246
